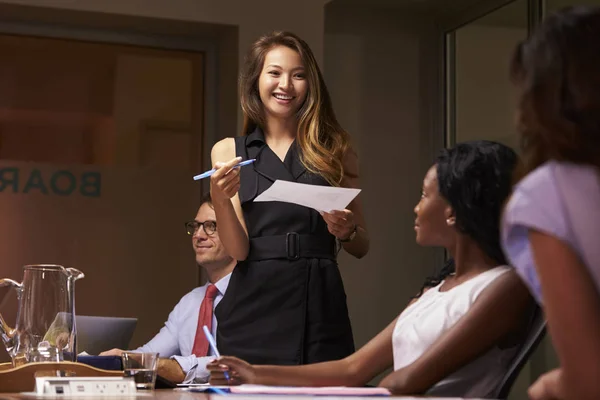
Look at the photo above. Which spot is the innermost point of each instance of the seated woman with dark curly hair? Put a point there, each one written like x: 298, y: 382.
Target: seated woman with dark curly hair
x: 458, y: 336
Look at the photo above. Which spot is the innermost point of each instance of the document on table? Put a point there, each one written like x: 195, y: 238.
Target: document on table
x: 321, y: 198
x: 290, y: 390
x: 315, y: 391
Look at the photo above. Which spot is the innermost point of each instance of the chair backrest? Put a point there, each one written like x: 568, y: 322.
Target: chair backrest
x: 537, y: 330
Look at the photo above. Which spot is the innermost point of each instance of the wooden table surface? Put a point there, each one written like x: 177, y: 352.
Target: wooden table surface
x: 170, y: 394
x: 161, y: 394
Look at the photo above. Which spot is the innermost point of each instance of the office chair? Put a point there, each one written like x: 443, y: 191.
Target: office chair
x: 536, y: 333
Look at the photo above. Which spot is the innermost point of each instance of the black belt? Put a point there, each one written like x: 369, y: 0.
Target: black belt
x: 292, y: 246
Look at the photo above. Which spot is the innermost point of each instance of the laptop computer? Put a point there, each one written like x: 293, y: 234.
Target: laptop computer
x: 98, y: 334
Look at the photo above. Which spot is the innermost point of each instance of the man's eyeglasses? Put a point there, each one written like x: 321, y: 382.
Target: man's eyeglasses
x: 210, y: 227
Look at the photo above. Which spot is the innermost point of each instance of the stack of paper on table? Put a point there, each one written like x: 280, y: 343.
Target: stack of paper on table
x: 321, y: 198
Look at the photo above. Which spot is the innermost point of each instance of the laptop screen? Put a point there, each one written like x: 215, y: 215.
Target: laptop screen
x: 98, y: 334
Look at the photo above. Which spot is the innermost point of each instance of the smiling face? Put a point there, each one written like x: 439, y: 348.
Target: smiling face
x: 435, y: 219
x: 208, y: 248
x: 282, y: 83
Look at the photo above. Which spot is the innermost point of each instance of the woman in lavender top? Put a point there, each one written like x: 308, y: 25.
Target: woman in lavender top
x: 551, y: 225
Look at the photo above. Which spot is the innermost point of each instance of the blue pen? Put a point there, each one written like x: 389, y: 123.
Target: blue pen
x: 212, y: 171
x: 213, y: 345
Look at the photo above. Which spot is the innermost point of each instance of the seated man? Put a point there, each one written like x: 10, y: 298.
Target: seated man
x: 182, y: 339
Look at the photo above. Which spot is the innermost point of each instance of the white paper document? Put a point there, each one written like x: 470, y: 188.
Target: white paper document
x: 321, y: 198
x: 315, y: 391
x: 246, y: 389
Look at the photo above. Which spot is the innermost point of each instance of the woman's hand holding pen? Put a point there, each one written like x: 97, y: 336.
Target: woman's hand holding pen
x: 225, y: 182
x: 340, y: 224
x: 239, y: 371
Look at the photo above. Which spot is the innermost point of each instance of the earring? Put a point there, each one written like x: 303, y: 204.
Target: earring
x: 449, y: 221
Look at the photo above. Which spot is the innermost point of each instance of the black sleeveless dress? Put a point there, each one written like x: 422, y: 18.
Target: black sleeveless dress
x: 285, y: 303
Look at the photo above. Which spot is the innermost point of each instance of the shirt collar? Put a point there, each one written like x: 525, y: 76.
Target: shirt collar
x: 222, y: 284
x: 257, y: 136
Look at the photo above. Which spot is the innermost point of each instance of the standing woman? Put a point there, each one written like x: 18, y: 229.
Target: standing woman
x: 286, y: 303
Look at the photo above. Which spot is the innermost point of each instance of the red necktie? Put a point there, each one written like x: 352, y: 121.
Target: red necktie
x: 200, y: 348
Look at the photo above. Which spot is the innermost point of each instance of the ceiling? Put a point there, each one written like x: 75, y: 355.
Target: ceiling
x: 437, y: 7
x: 512, y: 14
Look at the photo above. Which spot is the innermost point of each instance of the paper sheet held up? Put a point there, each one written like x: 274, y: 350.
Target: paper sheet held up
x: 321, y: 198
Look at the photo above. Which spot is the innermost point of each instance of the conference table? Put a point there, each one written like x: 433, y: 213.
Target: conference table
x: 170, y: 394
x: 175, y: 394
x: 15, y: 380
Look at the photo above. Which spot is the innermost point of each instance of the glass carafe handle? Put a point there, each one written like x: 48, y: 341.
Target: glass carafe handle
x: 6, y: 331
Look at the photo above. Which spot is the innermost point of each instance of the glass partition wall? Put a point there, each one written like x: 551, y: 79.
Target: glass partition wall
x: 483, y: 99
x: 480, y: 100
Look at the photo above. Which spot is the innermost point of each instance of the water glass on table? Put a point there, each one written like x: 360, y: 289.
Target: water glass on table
x: 141, y: 367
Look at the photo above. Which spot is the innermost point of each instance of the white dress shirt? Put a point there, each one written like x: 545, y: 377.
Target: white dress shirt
x: 176, y: 338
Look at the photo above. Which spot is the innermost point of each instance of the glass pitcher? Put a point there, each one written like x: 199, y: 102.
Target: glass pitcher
x: 45, y: 329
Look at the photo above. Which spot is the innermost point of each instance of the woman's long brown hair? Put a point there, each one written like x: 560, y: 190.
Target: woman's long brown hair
x: 557, y: 70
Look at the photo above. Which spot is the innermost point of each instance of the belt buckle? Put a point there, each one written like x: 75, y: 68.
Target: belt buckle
x: 292, y: 245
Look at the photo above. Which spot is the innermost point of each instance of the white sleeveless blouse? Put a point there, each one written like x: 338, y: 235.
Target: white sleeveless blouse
x: 424, y: 321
